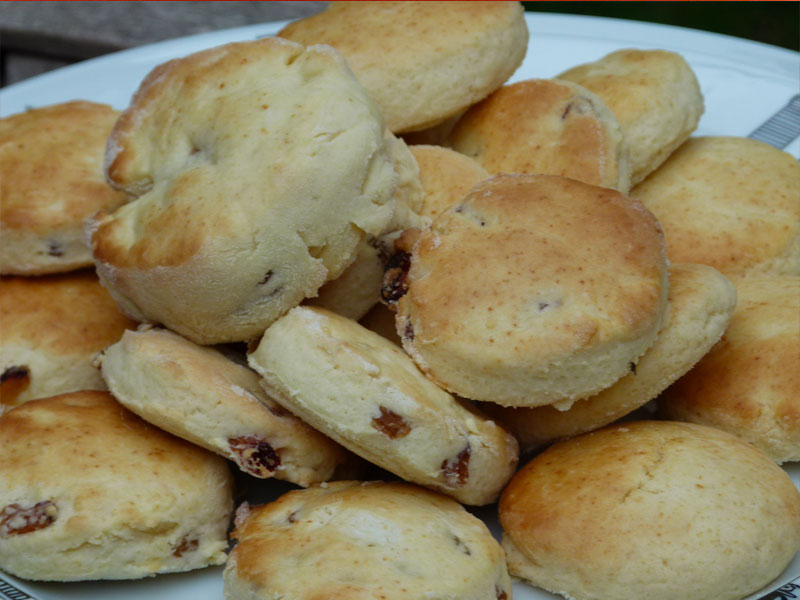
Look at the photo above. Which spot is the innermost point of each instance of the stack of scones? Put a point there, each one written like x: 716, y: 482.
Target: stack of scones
x: 353, y: 258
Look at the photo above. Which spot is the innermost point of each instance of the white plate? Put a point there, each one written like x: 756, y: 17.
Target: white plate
x: 743, y: 83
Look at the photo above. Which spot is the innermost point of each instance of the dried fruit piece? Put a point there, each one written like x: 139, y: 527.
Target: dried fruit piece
x: 391, y: 424
x: 500, y: 592
x: 54, y: 248
x: 13, y: 382
x: 254, y: 455
x: 17, y: 520
x: 395, y: 285
x: 185, y: 546
x: 456, y: 470
x: 462, y: 546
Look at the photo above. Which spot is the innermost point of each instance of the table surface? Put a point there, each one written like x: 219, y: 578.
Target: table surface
x: 36, y: 37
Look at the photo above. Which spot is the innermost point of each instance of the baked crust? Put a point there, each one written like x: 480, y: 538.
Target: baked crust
x: 52, y: 328
x: 117, y: 498
x: 422, y: 61
x: 533, y: 289
x: 651, y: 509
x: 352, y: 540
x: 545, y: 126
x: 655, y: 96
x: 730, y: 203
x: 51, y: 166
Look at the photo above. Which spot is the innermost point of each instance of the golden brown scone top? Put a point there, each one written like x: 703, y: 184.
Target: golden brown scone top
x: 51, y: 168
x: 544, y: 126
x: 422, y: 61
x: 527, y: 272
x: 729, y: 202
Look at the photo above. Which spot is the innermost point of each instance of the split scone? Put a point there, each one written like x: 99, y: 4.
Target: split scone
x: 258, y: 168
x: 366, y: 393
x: 422, y: 61
x: 749, y: 384
x: 728, y: 202
x: 90, y: 491
x: 655, y: 96
x: 650, y: 509
x: 701, y: 303
x: 532, y: 290
x: 51, y: 168
x: 364, y: 540
x: 549, y: 127
x: 52, y: 328
x: 198, y: 394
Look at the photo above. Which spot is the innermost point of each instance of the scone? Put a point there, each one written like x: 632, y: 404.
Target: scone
x: 701, y: 303
x: 380, y: 319
x: 51, y: 166
x: 352, y: 540
x: 422, y: 61
x: 749, y: 384
x: 533, y: 289
x: 197, y: 394
x: 732, y: 203
x: 650, y: 509
x: 358, y: 288
x: 366, y: 393
x: 549, y: 127
x: 655, y: 96
x: 90, y: 491
x: 446, y: 177
x: 258, y: 168
x: 52, y: 328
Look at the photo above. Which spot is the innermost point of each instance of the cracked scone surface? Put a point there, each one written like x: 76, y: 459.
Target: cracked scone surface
x: 545, y: 126
x: 88, y: 491
x: 749, y: 383
x: 701, y: 303
x: 200, y: 395
x: 651, y: 509
x: 363, y: 391
x: 533, y: 289
x: 361, y: 541
x: 258, y: 168
x: 51, y: 167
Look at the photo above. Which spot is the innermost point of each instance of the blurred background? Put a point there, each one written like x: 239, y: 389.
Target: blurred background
x: 36, y: 37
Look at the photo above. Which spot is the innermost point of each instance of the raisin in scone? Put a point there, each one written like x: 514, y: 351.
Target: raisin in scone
x: 352, y: 540
x: 51, y: 166
x: 198, y: 394
x: 532, y: 290
x: 88, y: 491
x: 258, y: 168
x: 366, y: 393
